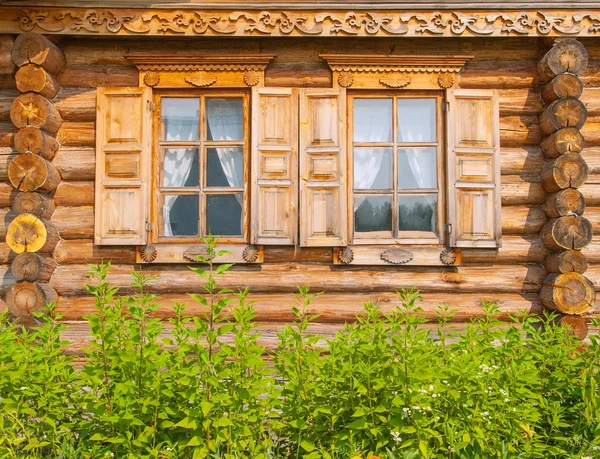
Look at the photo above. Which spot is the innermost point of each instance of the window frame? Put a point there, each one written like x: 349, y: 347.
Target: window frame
x: 412, y: 238
x: 156, y: 214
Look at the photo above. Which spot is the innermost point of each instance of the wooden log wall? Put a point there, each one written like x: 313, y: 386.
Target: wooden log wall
x: 565, y: 290
x: 512, y: 275
x: 30, y: 234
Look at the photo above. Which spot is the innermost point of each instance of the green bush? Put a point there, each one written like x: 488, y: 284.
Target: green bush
x: 202, y: 387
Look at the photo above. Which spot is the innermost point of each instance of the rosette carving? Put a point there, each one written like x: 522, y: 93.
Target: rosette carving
x: 251, y: 78
x: 448, y: 257
x: 346, y: 255
x: 201, y: 79
x: 250, y: 254
x: 445, y: 80
x: 345, y: 79
x: 149, y: 253
x: 397, y: 256
x: 151, y: 79
x: 395, y: 80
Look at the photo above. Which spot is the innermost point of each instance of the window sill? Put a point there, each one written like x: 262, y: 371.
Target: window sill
x: 396, y: 255
x: 185, y: 253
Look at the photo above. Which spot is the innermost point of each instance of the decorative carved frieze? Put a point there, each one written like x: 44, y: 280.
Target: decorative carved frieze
x: 104, y: 21
x: 397, y: 256
x: 200, y: 70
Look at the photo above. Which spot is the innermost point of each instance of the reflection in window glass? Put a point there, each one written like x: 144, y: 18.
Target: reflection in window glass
x: 225, y: 167
x: 373, y: 168
x: 180, y: 118
x: 418, y: 213
x: 416, y: 120
x: 373, y: 213
x: 180, y: 167
x: 225, y: 118
x: 417, y: 167
x: 180, y: 215
x: 372, y: 120
x: 224, y: 214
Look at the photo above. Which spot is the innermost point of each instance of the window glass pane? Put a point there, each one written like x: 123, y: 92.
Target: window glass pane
x: 372, y: 120
x: 225, y: 118
x: 180, y: 117
x: 417, y: 167
x: 373, y: 168
x: 180, y: 215
x: 224, y: 214
x: 373, y: 213
x: 416, y: 120
x: 418, y: 213
x: 225, y: 167
x: 180, y: 167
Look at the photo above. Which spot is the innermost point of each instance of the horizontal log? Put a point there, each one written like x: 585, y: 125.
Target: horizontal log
x: 25, y: 298
x: 7, y: 66
x: 520, y: 102
x: 567, y: 55
x: 298, y: 74
x: 6, y: 280
x: 514, y: 250
x: 499, y: 75
x: 31, y: 267
x: 566, y: 233
x: 69, y: 280
x: 521, y: 160
x: 7, y: 130
x: 561, y: 86
x: 592, y: 251
x: 592, y: 158
x: 76, y: 163
x: 30, y: 172
x: 6, y: 156
x: 77, y: 134
x: 33, y: 48
x: 564, y: 202
x: 332, y: 308
x: 567, y: 171
x: 38, y: 204
x: 566, y: 262
x: 31, y: 77
x: 74, y: 194
x: 567, y: 140
x: 515, y: 191
x: 6, y: 99
x: 575, y: 325
x: 33, y: 140
x: 569, y: 293
x: 591, y: 193
x: 31, y: 109
x: 74, y: 222
x: 74, y: 251
x: 93, y: 76
x: 593, y: 274
x: 519, y: 131
x: 591, y: 99
x: 522, y: 219
x: 28, y: 233
x: 6, y: 255
x: 591, y: 131
x: 593, y: 215
x: 563, y: 113
x: 76, y: 104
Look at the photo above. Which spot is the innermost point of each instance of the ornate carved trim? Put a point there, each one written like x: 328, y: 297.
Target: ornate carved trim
x: 397, y: 256
x: 250, y: 254
x: 149, y: 253
x: 395, y: 80
x: 252, y: 78
x: 195, y: 251
x: 105, y: 21
x: 201, y: 79
x: 345, y: 79
x: 201, y: 70
x: 448, y: 257
x: 445, y: 80
x: 346, y: 255
x: 395, y: 71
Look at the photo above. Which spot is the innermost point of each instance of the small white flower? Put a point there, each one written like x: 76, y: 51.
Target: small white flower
x: 431, y: 388
x: 416, y: 408
x: 396, y: 436
x: 587, y: 457
x: 406, y: 409
x: 437, y: 418
x: 507, y: 400
x: 23, y: 388
x: 485, y: 413
x: 596, y: 448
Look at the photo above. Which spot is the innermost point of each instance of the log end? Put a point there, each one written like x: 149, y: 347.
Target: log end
x: 569, y: 293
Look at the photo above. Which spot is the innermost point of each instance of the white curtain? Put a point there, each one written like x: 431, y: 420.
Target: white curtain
x: 177, y: 162
x: 416, y: 123
x: 225, y: 121
x: 372, y: 124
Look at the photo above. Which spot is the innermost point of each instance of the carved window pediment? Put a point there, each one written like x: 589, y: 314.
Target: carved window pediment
x: 200, y: 70
x: 358, y: 71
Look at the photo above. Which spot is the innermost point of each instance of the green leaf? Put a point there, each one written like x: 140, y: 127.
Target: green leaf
x: 206, y: 407
x: 194, y: 441
x: 308, y: 446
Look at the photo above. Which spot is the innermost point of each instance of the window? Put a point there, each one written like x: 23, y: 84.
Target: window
x: 396, y: 161
x: 299, y: 166
x: 201, y: 145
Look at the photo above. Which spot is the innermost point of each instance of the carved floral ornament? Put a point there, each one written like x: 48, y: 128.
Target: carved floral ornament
x: 395, y: 71
x: 200, y: 70
x: 301, y: 22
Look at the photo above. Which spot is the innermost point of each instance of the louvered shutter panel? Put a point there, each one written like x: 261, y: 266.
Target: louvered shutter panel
x: 123, y: 126
x: 323, y: 193
x: 274, y: 166
x: 474, y: 168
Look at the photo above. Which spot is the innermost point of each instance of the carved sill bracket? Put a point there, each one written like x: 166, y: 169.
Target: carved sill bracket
x: 410, y: 255
x: 395, y: 71
x: 200, y: 70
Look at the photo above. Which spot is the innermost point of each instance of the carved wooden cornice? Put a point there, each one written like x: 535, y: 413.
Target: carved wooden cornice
x: 375, y: 23
x: 394, y: 71
x: 200, y: 70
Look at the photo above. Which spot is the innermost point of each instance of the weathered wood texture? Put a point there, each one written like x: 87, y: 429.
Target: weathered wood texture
x: 31, y: 109
x: 31, y: 77
x: 569, y: 293
x: 33, y: 48
x: 25, y: 298
x: 28, y: 233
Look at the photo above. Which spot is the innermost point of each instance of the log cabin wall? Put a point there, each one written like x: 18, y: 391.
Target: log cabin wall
x: 512, y: 275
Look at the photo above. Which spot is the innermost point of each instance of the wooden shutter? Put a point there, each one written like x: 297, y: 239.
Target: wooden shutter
x: 274, y: 165
x: 473, y: 168
x: 123, y: 136
x: 323, y: 194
